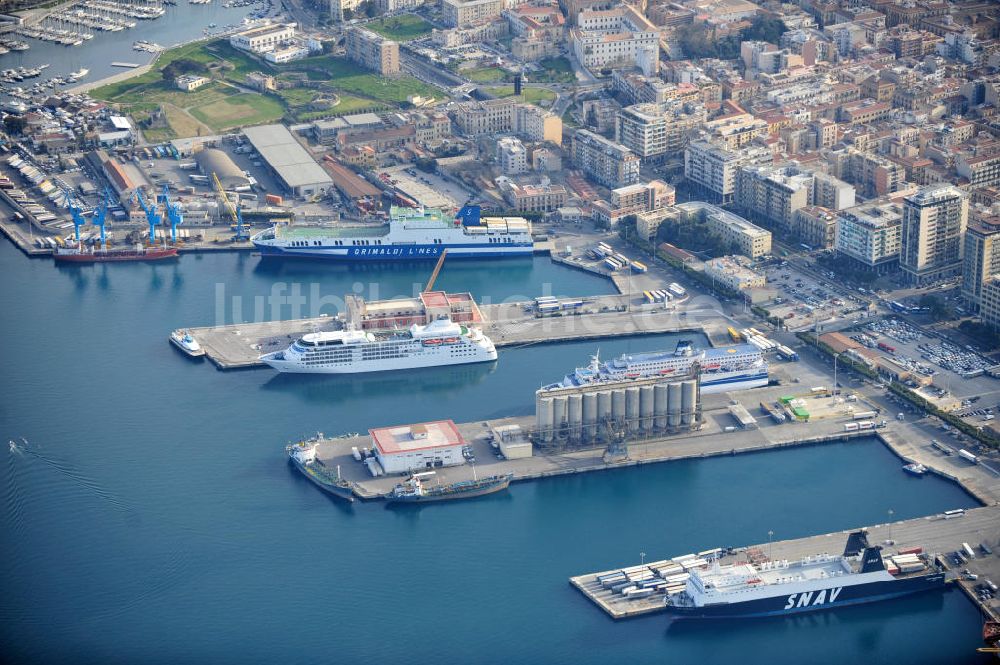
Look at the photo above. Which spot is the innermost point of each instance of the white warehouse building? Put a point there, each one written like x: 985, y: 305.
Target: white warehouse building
x: 409, y: 448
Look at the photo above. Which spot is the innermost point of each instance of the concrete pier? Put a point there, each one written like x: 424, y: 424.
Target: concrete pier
x: 238, y: 346
x: 934, y: 533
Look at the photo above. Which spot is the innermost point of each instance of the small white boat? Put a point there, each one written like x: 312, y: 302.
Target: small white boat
x: 916, y: 469
x: 79, y: 74
x: 183, y: 340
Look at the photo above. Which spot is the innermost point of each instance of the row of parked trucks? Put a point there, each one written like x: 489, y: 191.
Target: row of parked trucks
x: 614, y: 261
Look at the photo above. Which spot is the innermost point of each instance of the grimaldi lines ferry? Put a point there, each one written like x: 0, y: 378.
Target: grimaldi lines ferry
x: 816, y: 582
x: 441, y: 342
x: 738, y: 367
x: 411, y: 234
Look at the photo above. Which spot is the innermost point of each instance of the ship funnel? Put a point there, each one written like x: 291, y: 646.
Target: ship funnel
x: 872, y: 560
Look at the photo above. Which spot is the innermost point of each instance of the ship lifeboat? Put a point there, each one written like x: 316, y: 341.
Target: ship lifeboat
x: 668, y: 370
x: 711, y: 366
x: 432, y: 342
x: 632, y: 375
x: 451, y: 340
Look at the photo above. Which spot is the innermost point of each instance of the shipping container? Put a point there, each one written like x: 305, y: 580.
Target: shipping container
x: 273, y: 199
x: 912, y: 550
x: 968, y: 551
x: 611, y: 264
x: 886, y: 347
x: 571, y: 304
x: 676, y: 289
x: 864, y: 415
x: 850, y: 427
x: 638, y: 267
x: 542, y: 299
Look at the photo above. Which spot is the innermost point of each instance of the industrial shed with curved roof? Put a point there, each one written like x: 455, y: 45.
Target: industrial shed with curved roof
x: 213, y: 160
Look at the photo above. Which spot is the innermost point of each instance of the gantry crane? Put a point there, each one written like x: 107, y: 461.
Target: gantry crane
x: 174, y: 214
x: 152, y: 216
x: 75, y: 211
x: 231, y: 208
x: 101, y: 214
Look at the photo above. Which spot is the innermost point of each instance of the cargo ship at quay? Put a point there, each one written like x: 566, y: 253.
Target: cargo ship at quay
x: 411, y: 234
x: 722, y: 369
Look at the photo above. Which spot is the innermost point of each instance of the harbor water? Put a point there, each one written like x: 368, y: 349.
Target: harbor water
x: 181, y: 23
x: 149, y: 514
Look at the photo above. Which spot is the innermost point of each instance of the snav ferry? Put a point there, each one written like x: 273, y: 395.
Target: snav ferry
x: 722, y: 369
x: 441, y: 342
x: 772, y: 588
x: 411, y: 234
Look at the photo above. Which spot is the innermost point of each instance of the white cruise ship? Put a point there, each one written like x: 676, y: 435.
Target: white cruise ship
x: 441, y: 342
x: 738, y: 367
x: 412, y: 234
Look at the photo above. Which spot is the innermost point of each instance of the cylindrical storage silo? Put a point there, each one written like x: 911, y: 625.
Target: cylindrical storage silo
x: 689, y: 402
x: 660, y: 405
x: 646, y: 408
x: 673, y: 405
x: 543, y: 418
x: 604, y: 406
x: 589, y: 415
x: 632, y: 408
x: 558, y: 414
x: 618, y: 404
x: 575, y: 416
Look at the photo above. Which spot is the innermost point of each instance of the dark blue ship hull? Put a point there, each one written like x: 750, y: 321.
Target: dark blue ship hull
x: 824, y: 599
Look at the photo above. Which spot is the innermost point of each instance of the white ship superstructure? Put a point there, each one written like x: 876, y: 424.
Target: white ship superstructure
x: 441, y: 342
x: 815, y: 582
x: 411, y: 234
x: 722, y: 369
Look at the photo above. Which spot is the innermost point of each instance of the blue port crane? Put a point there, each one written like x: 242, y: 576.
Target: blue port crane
x: 101, y: 214
x: 75, y: 211
x: 152, y: 216
x: 174, y: 214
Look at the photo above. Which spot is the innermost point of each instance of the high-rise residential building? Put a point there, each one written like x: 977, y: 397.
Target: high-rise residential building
x: 372, y: 51
x: 712, y: 167
x: 655, y: 131
x: 773, y: 194
x: 982, y: 259
x: 870, y: 235
x: 934, y: 223
x: 341, y: 10
x: 605, y: 161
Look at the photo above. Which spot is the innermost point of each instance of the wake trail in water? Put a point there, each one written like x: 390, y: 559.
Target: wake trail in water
x: 67, y: 470
x: 12, y: 492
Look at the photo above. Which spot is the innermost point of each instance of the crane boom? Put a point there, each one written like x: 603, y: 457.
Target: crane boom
x: 437, y: 269
x: 234, y: 212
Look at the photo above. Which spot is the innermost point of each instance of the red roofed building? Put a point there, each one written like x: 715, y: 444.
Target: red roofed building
x: 409, y: 448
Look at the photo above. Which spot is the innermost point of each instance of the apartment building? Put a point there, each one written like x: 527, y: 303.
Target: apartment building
x: 537, y: 124
x: 773, y: 194
x: 713, y: 167
x: 372, y: 51
x: 749, y: 239
x: 816, y: 226
x: 989, y: 307
x: 981, y: 259
x: 632, y: 199
x: 505, y: 116
x: 729, y: 271
x: 656, y: 131
x: 511, y: 156
x: 934, y: 223
x: 533, y: 198
x: 606, y: 162
x: 339, y: 7
x: 462, y: 13
x: 870, y: 235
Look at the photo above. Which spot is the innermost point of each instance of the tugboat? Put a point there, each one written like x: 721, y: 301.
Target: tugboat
x: 916, y: 469
x: 303, y: 456
x: 183, y: 340
x: 415, y: 491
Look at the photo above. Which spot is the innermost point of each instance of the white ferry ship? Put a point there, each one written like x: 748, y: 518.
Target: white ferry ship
x: 441, y: 342
x: 738, y: 367
x: 411, y: 234
x: 817, y: 582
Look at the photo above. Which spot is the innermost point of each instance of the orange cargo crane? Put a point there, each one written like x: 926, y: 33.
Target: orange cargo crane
x: 437, y: 269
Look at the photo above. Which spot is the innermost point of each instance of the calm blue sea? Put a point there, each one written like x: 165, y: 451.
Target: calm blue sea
x: 151, y: 516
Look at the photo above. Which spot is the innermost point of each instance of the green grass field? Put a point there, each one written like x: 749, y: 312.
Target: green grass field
x: 557, y: 70
x: 536, y: 96
x: 401, y: 28
x: 342, y: 75
x: 238, y: 111
x: 486, y: 74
